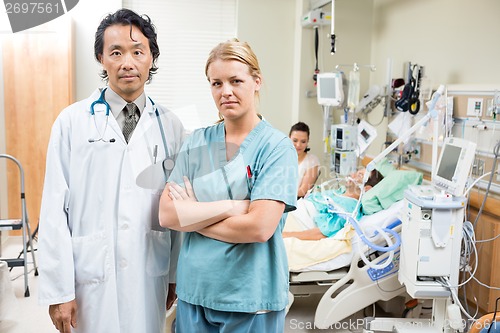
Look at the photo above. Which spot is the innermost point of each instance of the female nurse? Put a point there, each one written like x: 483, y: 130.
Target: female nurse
x: 230, y: 190
x: 308, y: 162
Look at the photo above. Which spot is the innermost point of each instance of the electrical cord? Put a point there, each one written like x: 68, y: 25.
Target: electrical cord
x: 445, y: 283
x: 468, y: 236
x: 496, y: 150
x: 377, y: 124
x: 487, y: 240
x: 316, y: 47
x: 468, y: 247
x: 486, y: 285
x: 475, y: 182
x: 494, y: 315
x: 470, y: 241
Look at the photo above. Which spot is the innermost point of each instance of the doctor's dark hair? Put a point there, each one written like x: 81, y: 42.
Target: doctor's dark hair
x: 130, y: 18
x: 300, y: 127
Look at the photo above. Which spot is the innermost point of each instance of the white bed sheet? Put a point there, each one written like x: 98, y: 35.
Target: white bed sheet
x: 304, y: 214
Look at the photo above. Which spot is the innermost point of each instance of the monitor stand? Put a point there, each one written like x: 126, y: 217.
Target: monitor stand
x: 441, y: 322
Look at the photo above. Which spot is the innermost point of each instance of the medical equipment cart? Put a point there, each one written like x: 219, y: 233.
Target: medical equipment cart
x: 20, y: 224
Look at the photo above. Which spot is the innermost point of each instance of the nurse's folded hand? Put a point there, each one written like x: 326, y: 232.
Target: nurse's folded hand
x: 179, y: 193
x: 240, y: 207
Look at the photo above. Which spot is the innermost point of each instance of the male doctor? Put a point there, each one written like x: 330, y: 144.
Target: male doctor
x: 106, y: 265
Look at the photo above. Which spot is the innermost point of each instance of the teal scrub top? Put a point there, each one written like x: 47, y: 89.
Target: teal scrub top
x: 226, y: 276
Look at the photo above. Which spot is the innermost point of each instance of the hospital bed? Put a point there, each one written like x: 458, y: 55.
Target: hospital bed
x: 333, y: 267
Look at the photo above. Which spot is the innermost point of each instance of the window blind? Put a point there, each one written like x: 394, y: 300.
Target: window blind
x: 187, y: 31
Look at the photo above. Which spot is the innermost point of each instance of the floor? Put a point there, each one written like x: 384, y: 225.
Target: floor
x: 300, y: 318
x: 26, y: 316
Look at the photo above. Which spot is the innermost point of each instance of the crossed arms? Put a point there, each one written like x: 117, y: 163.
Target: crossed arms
x: 232, y: 221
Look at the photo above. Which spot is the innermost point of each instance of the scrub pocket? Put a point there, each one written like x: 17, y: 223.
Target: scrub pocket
x: 91, y: 258
x: 158, y: 260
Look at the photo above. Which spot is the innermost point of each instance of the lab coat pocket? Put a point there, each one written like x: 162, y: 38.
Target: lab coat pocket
x: 158, y: 261
x: 91, y: 257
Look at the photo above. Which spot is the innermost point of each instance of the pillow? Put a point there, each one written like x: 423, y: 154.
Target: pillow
x: 389, y: 190
x: 385, y: 167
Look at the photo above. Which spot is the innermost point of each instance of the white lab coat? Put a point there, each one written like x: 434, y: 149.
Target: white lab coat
x: 99, y: 237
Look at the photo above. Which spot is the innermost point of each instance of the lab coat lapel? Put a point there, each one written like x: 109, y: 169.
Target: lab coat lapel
x: 146, y: 151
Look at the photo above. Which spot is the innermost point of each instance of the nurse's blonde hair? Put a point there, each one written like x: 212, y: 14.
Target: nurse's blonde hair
x: 233, y: 49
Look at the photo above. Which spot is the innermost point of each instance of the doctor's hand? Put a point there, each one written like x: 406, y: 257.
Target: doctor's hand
x: 63, y: 316
x: 172, y: 296
x: 179, y: 193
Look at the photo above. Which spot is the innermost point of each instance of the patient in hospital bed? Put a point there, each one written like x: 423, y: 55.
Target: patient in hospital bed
x: 307, y: 246
x: 344, y: 199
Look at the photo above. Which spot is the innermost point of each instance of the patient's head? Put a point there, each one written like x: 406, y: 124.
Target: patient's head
x: 355, y: 180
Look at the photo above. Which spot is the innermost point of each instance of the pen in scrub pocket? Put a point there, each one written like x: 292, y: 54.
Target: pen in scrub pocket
x: 249, y: 178
x: 155, y: 153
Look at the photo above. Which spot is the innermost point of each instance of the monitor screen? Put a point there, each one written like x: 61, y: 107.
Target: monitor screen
x: 365, y: 134
x: 453, y: 168
x: 329, y: 89
x: 449, y: 161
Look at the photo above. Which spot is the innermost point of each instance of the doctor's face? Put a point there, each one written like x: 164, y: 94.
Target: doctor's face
x: 127, y: 59
x: 233, y: 88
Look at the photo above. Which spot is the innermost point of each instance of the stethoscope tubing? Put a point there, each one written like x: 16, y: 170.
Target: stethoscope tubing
x: 102, y: 101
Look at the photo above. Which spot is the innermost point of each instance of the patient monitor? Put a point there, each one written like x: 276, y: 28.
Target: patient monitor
x: 329, y: 89
x: 431, y: 240
x: 344, y: 162
x: 436, y: 216
x: 366, y: 134
x: 435, y: 254
x: 344, y: 137
x: 343, y: 142
x: 457, y: 156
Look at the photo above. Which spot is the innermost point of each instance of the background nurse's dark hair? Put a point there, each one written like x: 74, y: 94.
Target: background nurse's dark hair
x: 130, y: 18
x: 302, y: 127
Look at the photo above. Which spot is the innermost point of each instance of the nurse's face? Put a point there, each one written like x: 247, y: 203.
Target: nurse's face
x: 233, y: 88
x: 300, y: 140
x: 126, y: 60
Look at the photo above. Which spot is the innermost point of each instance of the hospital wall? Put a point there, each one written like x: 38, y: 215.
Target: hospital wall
x: 353, y: 25
x: 85, y: 19
x: 453, y: 40
x: 455, y: 44
x: 286, y: 55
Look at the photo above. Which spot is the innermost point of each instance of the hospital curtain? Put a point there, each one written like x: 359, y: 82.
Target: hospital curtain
x: 187, y: 31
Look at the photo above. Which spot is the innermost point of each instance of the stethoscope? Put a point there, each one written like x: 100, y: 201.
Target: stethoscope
x: 101, y: 100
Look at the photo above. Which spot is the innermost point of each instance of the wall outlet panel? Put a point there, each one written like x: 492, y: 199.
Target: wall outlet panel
x: 475, y: 107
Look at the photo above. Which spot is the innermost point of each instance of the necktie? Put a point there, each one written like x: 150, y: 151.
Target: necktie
x: 128, y: 127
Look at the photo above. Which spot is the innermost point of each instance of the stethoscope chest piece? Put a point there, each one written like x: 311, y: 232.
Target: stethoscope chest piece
x: 100, y: 102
